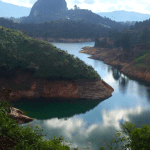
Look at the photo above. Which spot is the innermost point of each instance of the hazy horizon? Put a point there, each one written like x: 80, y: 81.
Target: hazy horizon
x: 97, y: 6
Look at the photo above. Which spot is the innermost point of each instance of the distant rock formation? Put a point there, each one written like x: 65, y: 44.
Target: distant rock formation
x: 48, y: 9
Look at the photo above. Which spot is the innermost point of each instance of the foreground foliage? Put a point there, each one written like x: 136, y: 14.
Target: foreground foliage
x: 138, y: 138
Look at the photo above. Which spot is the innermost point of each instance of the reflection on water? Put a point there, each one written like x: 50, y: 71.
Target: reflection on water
x: 93, y: 121
x: 49, y: 107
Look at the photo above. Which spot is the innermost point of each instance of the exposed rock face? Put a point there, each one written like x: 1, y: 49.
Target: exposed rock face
x: 47, y: 8
x: 24, y: 85
x: 93, y: 89
x: 17, y: 115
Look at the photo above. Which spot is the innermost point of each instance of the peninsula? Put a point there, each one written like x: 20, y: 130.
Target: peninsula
x: 34, y: 68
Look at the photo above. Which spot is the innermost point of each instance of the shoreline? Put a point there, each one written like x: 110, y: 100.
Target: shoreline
x: 115, y: 58
x: 78, y: 89
x: 65, y: 40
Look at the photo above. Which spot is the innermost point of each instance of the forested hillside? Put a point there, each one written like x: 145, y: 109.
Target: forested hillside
x: 134, y: 45
x: 58, y: 28
x: 42, y: 58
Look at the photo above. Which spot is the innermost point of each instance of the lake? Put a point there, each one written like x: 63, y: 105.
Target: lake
x: 92, y: 121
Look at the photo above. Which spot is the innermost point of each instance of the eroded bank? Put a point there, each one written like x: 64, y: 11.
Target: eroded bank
x: 117, y: 59
x: 24, y: 85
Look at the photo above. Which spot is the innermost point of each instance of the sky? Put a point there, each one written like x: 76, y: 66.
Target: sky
x: 141, y: 6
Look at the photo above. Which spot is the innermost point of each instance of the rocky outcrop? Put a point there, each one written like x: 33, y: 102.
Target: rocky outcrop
x: 44, y: 10
x: 24, y: 85
x: 93, y: 89
x: 17, y: 115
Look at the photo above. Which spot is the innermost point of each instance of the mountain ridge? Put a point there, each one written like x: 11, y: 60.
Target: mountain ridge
x: 25, y: 11
x: 127, y: 15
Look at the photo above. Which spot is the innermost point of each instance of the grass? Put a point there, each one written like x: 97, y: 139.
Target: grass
x: 18, y: 50
x: 139, y: 59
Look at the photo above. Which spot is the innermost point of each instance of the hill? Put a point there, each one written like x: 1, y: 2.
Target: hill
x: 50, y: 10
x: 20, y: 51
x: 67, y: 29
x: 79, y: 14
x: 124, y: 15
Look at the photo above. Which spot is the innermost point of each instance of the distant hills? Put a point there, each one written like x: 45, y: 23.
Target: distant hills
x: 48, y: 11
x: 10, y: 10
x: 124, y: 16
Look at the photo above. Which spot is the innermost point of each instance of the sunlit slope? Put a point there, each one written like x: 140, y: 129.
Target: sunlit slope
x: 20, y: 51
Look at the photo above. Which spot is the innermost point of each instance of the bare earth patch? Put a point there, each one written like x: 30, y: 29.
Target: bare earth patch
x: 116, y: 57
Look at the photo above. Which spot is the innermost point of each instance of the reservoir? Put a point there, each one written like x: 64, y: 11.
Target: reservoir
x: 92, y: 123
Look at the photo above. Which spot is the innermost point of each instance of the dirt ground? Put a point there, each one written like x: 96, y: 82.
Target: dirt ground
x: 116, y: 57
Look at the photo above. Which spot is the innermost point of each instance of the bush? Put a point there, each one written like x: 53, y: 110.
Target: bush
x: 138, y: 137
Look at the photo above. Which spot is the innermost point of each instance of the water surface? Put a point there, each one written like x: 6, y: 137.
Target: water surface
x: 92, y: 121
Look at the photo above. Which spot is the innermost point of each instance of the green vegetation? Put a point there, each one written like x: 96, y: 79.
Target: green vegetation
x: 18, y: 50
x: 128, y: 38
x: 58, y: 28
x: 24, y: 139
x: 27, y: 138
x: 140, y: 58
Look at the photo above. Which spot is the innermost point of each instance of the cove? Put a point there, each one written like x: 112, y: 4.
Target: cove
x: 89, y: 120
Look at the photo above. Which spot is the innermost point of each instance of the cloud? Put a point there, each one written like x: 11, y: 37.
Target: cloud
x: 136, y: 6
x: 140, y: 6
x: 77, y: 2
x: 80, y: 131
x: 89, y: 1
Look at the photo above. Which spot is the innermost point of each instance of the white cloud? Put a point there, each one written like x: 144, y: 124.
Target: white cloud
x: 97, y: 5
x: 80, y: 131
x: 135, y: 5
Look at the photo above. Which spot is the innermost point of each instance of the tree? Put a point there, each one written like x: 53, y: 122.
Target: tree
x: 118, y: 43
x: 131, y: 27
x: 138, y: 138
x: 145, y: 37
x: 96, y: 41
x: 126, y: 44
x: 75, y: 7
